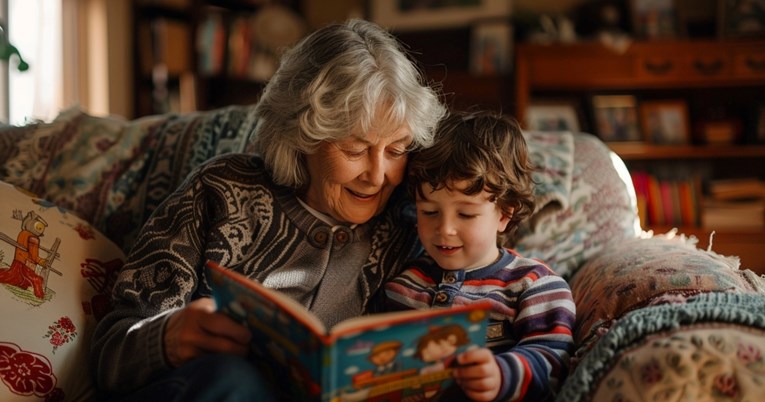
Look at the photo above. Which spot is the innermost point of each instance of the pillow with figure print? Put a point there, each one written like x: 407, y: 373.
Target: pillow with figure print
x: 56, y: 272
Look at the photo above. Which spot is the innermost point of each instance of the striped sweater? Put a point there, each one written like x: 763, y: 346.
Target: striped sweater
x: 531, y: 322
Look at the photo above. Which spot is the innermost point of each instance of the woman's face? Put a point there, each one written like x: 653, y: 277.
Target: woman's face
x: 352, y: 179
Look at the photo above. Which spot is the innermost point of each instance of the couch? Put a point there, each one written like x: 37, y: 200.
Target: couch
x: 657, y: 318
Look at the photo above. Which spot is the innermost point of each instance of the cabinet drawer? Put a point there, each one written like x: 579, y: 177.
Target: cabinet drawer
x: 749, y: 63
x: 683, y: 67
x: 580, y: 71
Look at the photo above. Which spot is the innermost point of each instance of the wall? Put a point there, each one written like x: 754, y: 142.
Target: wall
x: 103, y: 57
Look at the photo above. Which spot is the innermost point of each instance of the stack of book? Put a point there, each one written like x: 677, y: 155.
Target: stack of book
x: 735, y: 204
x: 665, y: 200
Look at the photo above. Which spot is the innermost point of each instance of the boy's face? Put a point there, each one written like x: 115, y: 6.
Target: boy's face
x: 459, y: 231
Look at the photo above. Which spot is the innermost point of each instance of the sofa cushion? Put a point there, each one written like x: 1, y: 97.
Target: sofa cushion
x: 649, y: 271
x: 56, y: 273
x: 706, y: 362
x: 660, y: 326
x: 113, y: 172
x: 575, y: 221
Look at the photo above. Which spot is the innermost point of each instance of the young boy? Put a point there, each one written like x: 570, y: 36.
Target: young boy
x: 471, y: 188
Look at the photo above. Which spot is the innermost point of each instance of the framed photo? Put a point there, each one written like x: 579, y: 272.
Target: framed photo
x: 665, y: 121
x: 553, y: 116
x: 616, y: 118
x: 491, y: 48
x: 742, y: 18
x: 655, y: 19
x: 402, y: 15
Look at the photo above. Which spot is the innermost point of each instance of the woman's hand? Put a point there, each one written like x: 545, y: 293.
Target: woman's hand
x: 478, y: 374
x: 197, y: 330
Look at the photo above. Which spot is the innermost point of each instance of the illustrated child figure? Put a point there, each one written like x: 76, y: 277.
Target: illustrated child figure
x: 27, y: 256
x: 473, y: 188
x: 383, y: 356
x: 439, y: 347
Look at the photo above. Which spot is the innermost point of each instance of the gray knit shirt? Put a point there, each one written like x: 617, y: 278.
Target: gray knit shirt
x: 230, y: 212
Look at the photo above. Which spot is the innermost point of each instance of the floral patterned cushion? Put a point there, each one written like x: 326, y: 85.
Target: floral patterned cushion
x: 725, y: 339
x: 575, y: 221
x: 114, y: 172
x: 56, y: 272
x: 708, y: 362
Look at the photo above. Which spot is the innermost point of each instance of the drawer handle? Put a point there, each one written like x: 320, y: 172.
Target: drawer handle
x: 708, y: 68
x: 755, y: 65
x: 659, y: 68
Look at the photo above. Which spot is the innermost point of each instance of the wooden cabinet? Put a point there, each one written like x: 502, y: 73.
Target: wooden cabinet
x: 643, y: 65
x: 710, y: 75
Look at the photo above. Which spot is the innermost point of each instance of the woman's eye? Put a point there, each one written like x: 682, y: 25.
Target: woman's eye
x: 355, y: 153
x: 397, y: 153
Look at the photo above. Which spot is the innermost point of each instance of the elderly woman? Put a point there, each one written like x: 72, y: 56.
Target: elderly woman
x: 316, y: 214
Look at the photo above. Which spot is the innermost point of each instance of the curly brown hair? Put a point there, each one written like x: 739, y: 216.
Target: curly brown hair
x: 485, y: 149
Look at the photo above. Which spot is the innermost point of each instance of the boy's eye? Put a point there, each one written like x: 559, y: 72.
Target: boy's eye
x: 428, y: 212
x: 467, y: 216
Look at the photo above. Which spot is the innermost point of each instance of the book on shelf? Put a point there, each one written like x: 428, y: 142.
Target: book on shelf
x: 211, y: 44
x: 728, y: 189
x: 663, y: 200
x: 372, y: 357
x: 734, y: 214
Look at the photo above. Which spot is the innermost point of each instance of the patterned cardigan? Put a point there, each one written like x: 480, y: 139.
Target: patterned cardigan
x: 230, y: 212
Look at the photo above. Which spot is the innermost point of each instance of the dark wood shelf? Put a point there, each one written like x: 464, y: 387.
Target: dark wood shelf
x: 155, y: 42
x: 640, y: 151
x: 706, y: 73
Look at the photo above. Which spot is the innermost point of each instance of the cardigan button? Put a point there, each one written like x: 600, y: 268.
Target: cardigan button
x: 320, y: 237
x: 442, y: 297
x: 341, y: 236
x: 450, y: 278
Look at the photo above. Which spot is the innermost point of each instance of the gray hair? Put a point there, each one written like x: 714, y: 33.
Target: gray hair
x: 341, y: 78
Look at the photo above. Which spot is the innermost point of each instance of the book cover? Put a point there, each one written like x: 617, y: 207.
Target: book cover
x: 391, y: 356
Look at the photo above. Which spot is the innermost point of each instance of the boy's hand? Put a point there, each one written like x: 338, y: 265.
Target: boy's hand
x: 478, y: 374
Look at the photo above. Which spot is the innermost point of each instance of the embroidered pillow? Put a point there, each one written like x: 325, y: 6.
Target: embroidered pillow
x: 56, y: 272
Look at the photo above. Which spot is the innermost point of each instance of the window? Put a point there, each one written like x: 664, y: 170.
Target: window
x: 35, y: 28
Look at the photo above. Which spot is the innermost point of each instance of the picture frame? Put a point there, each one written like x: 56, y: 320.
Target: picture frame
x: 665, y: 122
x: 553, y: 115
x: 616, y: 118
x: 655, y: 19
x: 741, y: 18
x: 491, y: 48
x: 403, y: 15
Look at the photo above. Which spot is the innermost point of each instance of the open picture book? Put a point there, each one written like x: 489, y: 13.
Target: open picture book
x: 389, y: 357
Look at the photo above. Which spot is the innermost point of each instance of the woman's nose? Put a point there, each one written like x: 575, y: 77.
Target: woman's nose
x: 375, y: 172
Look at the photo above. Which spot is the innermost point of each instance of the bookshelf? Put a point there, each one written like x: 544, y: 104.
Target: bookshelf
x: 719, y: 81
x: 200, y: 54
